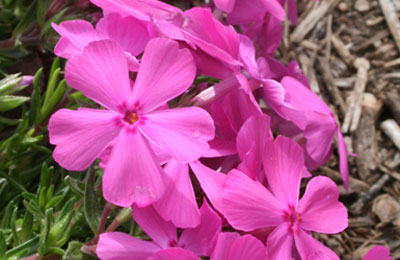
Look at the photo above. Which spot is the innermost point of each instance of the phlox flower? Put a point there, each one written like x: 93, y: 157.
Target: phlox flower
x: 378, y: 253
x: 165, y: 244
x: 134, y: 119
x: 131, y: 34
x: 248, y: 205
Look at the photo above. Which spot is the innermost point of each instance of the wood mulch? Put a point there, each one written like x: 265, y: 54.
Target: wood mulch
x: 349, y: 51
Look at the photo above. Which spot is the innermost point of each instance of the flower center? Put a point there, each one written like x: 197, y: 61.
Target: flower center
x: 130, y: 117
x: 293, y: 218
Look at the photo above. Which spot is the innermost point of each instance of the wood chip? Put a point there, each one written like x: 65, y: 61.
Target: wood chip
x: 312, y: 19
x: 387, y: 209
x: 353, y: 114
x: 392, y: 130
x: 389, y: 11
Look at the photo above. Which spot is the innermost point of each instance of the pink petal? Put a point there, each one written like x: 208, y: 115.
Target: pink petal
x: 378, y: 253
x: 200, y: 240
x: 280, y: 243
x: 223, y: 245
x: 247, y: 205
x: 220, y: 41
x: 344, y: 167
x: 165, y: 72
x: 320, y: 209
x: 247, y: 247
x: 283, y: 165
x: 246, y: 12
x: 174, y: 254
x: 248, y: 56
x: 275, y: 9
x: 81, y: 136
x: 210, y: 181
x: 140, y: 9
x: 101, y: 73
x: 75, y: 35
x: 121, y: 246
x: 225, y: 5
x: 131, y: 176
x: 183, y: 132
x: 178, y: 204
x: 162, y: 232
x: 131, y: 34
x: 320, y: 132
x: 250, y: 142
x: 275, y: 95
x: 309, y: 248
x: 292, y: 11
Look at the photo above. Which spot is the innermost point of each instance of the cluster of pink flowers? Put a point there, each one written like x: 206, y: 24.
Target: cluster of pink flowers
x: 149, y: 66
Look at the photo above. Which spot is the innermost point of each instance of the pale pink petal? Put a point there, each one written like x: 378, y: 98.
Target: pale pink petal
x: 121, y: 246
x: 247, y: 247
x: 178, y: 204
x: 283, y: 165
x: 101, y: 73
x: 183, y: 132
x: 174, y: 254
x: 225, y: 5
x: 218, y: 40
x: 130, y: 33
x: 309, y: 248
x: 344, y: 167
x: 201, y: 239
x: 250, y: 142
x: 133, y: 63
x: 75, y: 35
x: 378, y: 253
x: 81, y: 136
x: 133, y: 174
x: 320, y: 208
x: 165, y: 72
x: 280, y: 243
x: 223, y: 245
x: 211, y: 182
x: 247, y: 205
x: 162, y: 232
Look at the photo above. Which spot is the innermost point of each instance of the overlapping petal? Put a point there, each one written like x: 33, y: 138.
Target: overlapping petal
x: 178, y: 204
x: 200, y: 240
x: 121, y: 246
x: 165, y: 72
x: 320, y: 209
x: 162, y: 232
x: 283, y: 166
x: 280, y: 243
x: 101, y: 73
x: 309, y: 248
x: 247, y: 205
x: 183, y: 132
x: 133, y: 173
x: 81, y: 136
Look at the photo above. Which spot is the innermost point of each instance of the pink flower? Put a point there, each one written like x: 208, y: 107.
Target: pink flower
x: 132, y: 119
x: 165, y: 244
x: 248, y: 205
x: 378, y: 253
x: 232, y: 246
x: 130, y: 33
